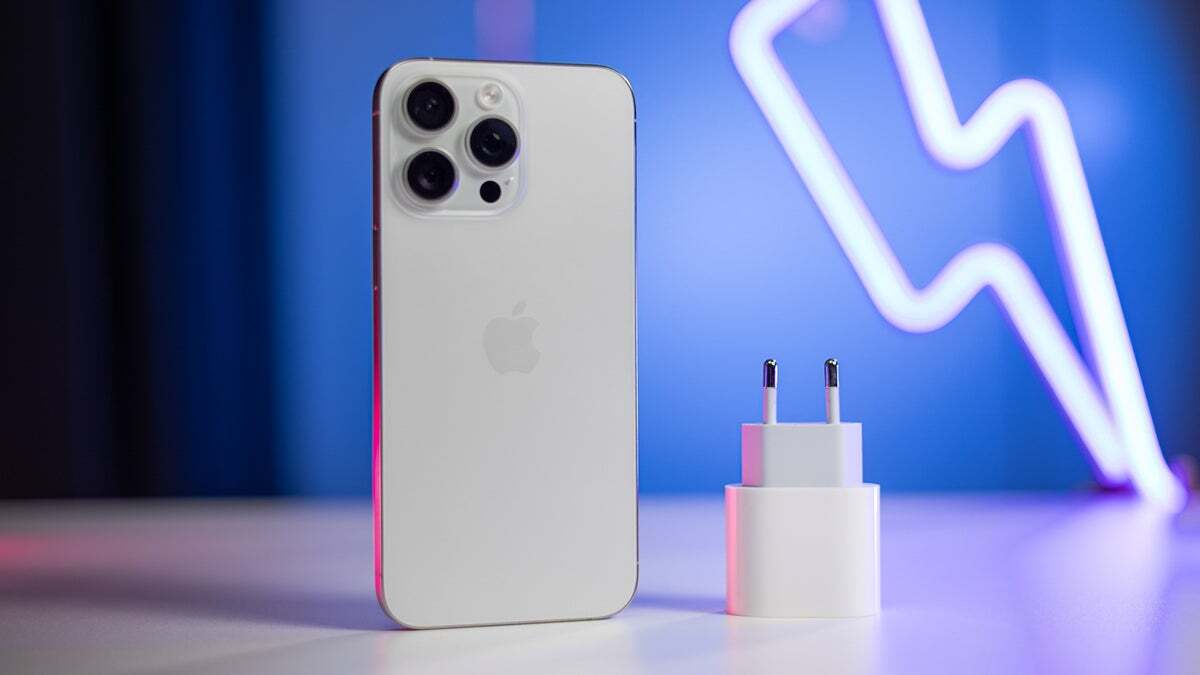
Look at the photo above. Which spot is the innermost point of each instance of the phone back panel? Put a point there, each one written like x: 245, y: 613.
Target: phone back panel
x: 505, y: 413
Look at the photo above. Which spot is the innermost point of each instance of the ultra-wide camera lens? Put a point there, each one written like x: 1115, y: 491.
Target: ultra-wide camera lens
x: 429, y: 105
x: 430, y: 175
x: 493, y: 142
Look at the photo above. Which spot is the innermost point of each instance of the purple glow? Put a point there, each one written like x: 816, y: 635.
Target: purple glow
x: 1108, y: 410
x: 504, y: 29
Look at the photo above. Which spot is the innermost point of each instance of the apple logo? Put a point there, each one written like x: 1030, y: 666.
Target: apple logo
x: 508, y: 342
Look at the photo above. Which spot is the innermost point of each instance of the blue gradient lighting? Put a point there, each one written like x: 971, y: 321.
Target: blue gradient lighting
x: 738, y: 259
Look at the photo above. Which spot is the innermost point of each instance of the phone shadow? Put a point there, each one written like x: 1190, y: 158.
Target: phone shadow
x: 188, y: 598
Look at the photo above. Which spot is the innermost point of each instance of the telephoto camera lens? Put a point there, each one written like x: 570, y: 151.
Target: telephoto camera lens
x: 430, y: 175
x: 429, y: 105
x: 493, y: 142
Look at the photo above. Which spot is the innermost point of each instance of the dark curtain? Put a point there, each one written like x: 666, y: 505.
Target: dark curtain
x: 134, y: 263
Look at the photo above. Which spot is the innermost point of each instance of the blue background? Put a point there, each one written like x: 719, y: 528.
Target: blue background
x: 735, y: 263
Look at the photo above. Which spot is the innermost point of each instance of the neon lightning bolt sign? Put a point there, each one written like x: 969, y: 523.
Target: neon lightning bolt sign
x: 1108, y: 410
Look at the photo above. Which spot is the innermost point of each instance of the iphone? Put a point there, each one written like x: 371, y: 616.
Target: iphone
x: 505, y: 400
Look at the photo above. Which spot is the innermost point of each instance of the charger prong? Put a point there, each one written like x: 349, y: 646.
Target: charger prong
x: 770, y: 379
x: 833, y: 402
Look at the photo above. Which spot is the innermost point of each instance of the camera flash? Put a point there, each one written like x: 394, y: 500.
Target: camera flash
x: 489, y: 96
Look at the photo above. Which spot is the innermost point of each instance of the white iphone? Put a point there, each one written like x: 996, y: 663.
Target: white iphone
x: 505, y: 350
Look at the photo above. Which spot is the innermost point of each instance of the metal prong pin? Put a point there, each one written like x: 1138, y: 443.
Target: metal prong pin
x: 833, y: 402
x: 770, y: 378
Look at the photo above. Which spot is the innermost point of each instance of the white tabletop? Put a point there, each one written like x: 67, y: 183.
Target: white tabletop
x: 972, y: 584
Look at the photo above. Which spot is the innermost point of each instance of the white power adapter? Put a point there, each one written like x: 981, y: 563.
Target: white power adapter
x: 802, y: 529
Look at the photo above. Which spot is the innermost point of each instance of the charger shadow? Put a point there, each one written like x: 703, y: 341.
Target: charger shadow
x: 681, y: 603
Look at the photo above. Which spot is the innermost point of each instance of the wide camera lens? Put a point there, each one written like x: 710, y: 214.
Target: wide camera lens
x: 430, y: 105
x: 493, y: 142
x: 430, y: 175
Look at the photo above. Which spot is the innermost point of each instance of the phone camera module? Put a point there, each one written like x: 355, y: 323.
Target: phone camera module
x: 429, y: 105
x: 493, y: 142
x: 430, y: 175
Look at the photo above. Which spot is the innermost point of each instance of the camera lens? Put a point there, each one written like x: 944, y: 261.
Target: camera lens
x: 430, y: 175
x: 430, y: 105
x: 493, y: 142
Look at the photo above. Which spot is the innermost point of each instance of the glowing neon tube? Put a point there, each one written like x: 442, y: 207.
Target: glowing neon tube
x: 1108, y: 410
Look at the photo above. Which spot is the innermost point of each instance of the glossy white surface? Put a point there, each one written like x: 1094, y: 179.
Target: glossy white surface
x: 971, y: 584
